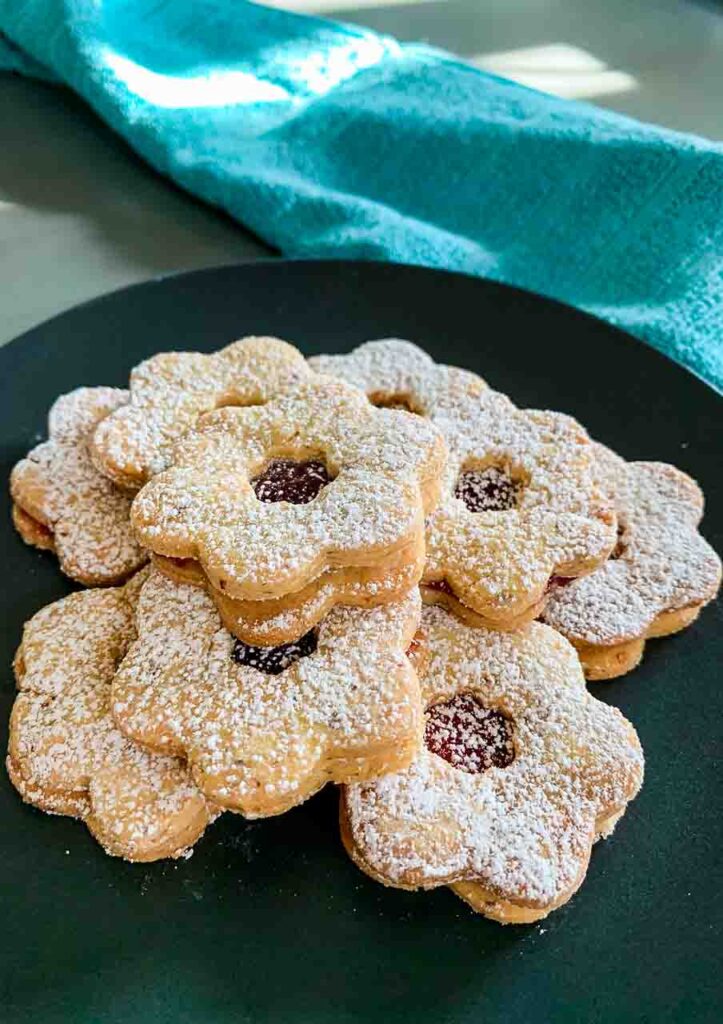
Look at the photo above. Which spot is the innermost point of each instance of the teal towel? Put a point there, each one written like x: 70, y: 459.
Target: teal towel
x: 329, y: 140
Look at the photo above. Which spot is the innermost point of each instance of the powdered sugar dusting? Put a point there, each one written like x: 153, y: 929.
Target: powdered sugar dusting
x: 523, y: 831
x: 663, y: 563
x: 498, y: 561
x: 273, y: 661
x: 66, y: 753
x: 291, y: 480
x: 260, y: 743
x: 385, y: 468
x: 487, y: 490
x: 58, y: 485
x: 260, y: 622
x: 171, y: 390
x: 468, y: 735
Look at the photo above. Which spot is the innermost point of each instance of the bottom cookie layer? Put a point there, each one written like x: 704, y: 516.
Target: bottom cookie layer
x: 66, y: 755
x: 284, y: 620
x: 448, y: 599
x: 32, y: 531
x: 480, y: 899
x: 41, y: 536
x: 600, y: 661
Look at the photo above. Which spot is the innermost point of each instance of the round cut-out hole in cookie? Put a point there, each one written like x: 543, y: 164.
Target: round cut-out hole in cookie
x: 468, y: 735
x: 297, y: 482
x: 488, y: 489
x: 558, y: 582
x: 273, y: 661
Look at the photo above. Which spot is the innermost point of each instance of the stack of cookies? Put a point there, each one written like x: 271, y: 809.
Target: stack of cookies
x: 369, y: 570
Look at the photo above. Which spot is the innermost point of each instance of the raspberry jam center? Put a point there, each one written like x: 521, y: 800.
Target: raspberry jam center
x: 292, y: 481
x: 272, y: 661
x: 468, y: 735
x: 557, y: 583
x: 415, y: 645
x: 487, y: 490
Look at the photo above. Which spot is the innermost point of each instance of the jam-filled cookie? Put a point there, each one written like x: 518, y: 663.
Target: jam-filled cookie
x: 660, y: 575
x: 169, y: 391
x: 62, y: 503
x: 267, y: 499
x: 67, y: 756
x: 520, y: 772
x: 521, y: 497
x: 263, y: 728
x: 284, y: 619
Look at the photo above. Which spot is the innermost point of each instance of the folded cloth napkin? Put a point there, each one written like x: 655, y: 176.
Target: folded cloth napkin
x: 330, y: 140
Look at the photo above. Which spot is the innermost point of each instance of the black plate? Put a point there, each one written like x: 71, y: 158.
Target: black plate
x: 269, y: 921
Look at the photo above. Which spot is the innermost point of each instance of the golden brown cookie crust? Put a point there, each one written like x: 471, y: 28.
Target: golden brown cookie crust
x: 385, y: 468
x: 660, y: 576
x: 558, y: 521
x: 171, y: 390
x: 505, y: 623
x: 62, y: 503
x: 260, y: 743
x: 66, y: 756
x: 32, y: 531
x: 286, y: 619
x: 609, y: 662
x: 514, y: 839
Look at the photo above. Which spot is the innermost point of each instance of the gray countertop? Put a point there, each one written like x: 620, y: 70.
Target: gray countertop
x: 81, y: 215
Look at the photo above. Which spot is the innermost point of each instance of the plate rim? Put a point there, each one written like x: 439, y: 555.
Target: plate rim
x: 271, y: 261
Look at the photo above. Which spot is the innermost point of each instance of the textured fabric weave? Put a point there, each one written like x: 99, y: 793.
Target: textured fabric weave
x: 332, y: 141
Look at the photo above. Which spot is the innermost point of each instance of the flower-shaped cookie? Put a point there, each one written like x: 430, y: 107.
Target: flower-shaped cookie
x: 521, y: 498
x: 521, y: 771
x: 264, y: 728
x: 285, y: 619
x: 63, y: 503
x: 269, y: 498
x: 660, y: 575
x: 67, y: 756
x: 169, y: 391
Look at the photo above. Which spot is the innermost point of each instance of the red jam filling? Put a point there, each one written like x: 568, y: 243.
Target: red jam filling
x: 414, y: 646
x: 468, y: 735
x: 292, y: 481
x: 487, y: 490
x: 272, y: 661
x: 556, y: 582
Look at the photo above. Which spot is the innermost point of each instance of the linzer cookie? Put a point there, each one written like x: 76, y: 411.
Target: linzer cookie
x: 263, y: 728
x: 282, y: 620
x: 62, y: 503
x: 67, y: 756
x: 521, y: 500
x: 660, y: 575
x: 267, y: 500
x: 520, y: 772
x: 172, y: 389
